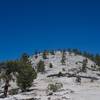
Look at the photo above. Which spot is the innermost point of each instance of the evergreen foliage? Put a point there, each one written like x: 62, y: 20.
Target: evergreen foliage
x: 25, y: 77
x: 50, y: 65
x: 63, y: 60
x: 45, y: 53
x: 26, y: 74
x: 41, y: 66
x: 84, y: 66
x: 10, y: 67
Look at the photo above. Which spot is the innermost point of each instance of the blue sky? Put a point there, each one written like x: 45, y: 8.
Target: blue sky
x: 29, y: 25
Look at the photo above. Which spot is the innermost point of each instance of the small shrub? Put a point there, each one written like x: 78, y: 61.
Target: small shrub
x: 50, y: 93
x: 92, y: 80
x: 60, y: 74
x: 55, y: 87
x: 63, y: 69
x: 13, y: 91
x: 78, y: 79
x: 49, y: 98
x: 59, y: 85
x: 50, y: 65
x: 76, y: 63
x: 93, y: 66
x: 52, y: 87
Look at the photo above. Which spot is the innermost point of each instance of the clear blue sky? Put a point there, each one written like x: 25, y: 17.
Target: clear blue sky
x: 28, y: 25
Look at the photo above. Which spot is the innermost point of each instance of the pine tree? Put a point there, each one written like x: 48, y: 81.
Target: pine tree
x: 97, y: 59
x: 45, y: 53
x: 25, y: 77
x: 84, y: 66
x: 41, y: 66
x: 25, y: 58
x: 26, y: 74
x: 63, y: 60
x: 11, y: 67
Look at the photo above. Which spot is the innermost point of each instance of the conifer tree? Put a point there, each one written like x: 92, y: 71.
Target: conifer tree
x: 84, y: 66
x: 97, y: 59
x: 25, y: 77
x: 26, y: 74
x: 63, y: 60
x: 10, y: 67
x: 44, y: 55
x: 41, y: 66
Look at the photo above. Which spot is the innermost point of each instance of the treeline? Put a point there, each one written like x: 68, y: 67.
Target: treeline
x: 93, y: 57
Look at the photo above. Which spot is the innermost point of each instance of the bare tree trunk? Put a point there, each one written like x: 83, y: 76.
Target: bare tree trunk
x: 6, y: 88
